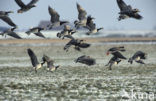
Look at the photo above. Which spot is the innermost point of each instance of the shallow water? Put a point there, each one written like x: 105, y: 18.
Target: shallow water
x: 75, y: 81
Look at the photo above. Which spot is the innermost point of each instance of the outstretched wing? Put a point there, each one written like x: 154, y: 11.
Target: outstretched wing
x: 91, y: 26
x: 20, y: 3
x: 13, y: 34
x: 84, y: 45
x: 140, y: 61
x: 122, y: 5
x: 114, y: 49
x: 137, y: 16
x: 90, y: 61
x: 66, y: 47
x: 45, y: 58
x: 33, y: 57
x: 54, y: 15
x: 140, y: 54
x: 86, y: 60
x: 8, y: 20
x: 40, y: 34
x: 32, y: 2
x: 118, y: 55
x: 82, y: 13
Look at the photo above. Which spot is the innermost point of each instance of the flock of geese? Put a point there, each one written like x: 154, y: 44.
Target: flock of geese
x: 138, y: 57
x: 83, y: 21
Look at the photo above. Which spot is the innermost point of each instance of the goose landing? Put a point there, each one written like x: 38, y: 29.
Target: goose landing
x: 86, y: 60
x: 113, y: 61
x: 117, y: 56
x: 36, y: 65
x: 138, y: 57
x: 50, y: 63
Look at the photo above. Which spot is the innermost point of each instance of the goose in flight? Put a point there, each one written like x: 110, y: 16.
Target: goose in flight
x: 24, y: 7
x: 36, y: 31
x: 117, y: 56
x: 75, y: 42
x: 11, y: 33
x: 86, y: 60
x: 92, y: 26
x: 114, y: 60
x: 50, y: 63
x: 138, y: 57
x: 126, y: 11
x: 55, y: 19
x: 35, y: 63
x: 4, y: 15
x: 116, y: 49
x: 66, y: 31
x: 82, y: 19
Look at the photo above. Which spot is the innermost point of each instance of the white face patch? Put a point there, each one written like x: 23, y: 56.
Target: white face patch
x: 115, y: 63
x: 38, y: 66
x: 138, y: 58
x: 53, y: 69
x: 94, y: 31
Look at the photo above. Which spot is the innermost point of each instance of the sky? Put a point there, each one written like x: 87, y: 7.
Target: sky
x: 105, y: 12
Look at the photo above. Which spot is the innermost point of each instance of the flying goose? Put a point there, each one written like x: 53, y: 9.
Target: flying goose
x: 35, y: 63
x: 66, y: 31
x: 11, y: 33
x: 114, y: 60
x: 77, y: 43
x: 50, y: 63
x: 24, y: 7
x: 126, y: 11
x: 36, y: 31
x: 4, y: 15
x: 55, y: 18
x: 86, y: 60
x: 82, y: 19
x: 138, y: 57
x: 92, y: 26
x: 116, y: 49
x: 117, y: 56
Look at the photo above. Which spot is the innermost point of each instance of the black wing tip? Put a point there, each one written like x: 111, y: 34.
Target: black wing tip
x: 19, y: 38
x: 125, y: 58
x: 122, y: 47
x: 29, y: 50
x: 77, y: 4
x: 138, y: 17
x: 49, y: 6
x: 119, y: 0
